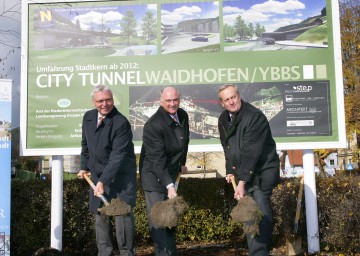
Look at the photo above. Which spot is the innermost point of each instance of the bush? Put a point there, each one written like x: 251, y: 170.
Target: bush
x: 339, y: 213
x: 207, y: 220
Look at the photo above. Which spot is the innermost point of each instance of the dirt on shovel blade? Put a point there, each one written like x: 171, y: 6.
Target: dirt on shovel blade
x: 115, y: 208
x: 248, y: 213
x: 165, y: 214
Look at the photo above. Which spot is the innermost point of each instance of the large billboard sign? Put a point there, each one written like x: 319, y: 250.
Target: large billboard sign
x: 283, y: 55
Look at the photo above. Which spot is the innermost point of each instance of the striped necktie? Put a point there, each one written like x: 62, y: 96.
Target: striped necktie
x: 175, y: 119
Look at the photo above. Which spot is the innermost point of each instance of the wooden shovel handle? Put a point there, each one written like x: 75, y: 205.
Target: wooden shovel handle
x: 299, y: 199
x: 177, y: 181
x: 233, y: 182
x: 103, y: 199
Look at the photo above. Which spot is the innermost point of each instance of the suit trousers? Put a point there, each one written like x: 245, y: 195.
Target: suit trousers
x: 259, y: 245
x: 164, y: 238
x: 124, y: 227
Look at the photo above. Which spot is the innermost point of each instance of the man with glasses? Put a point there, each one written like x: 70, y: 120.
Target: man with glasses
x: 108, y: 154
x: 163, y: 157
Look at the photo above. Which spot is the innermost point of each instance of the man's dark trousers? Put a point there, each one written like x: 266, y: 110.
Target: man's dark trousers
x: 164, y: 238
x: 260, y: 244
x: 125, y: 241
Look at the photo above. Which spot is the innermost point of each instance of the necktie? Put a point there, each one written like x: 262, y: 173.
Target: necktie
x: 175, y: 119
x: 100, y: 121
x: 232, y: 118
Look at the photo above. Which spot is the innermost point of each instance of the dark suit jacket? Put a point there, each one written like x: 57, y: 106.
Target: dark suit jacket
x: 164, y: 150
x: 108, y: 153
x: 249, y: 147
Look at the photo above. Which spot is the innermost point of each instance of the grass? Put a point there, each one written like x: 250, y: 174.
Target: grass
x: 316, y: 35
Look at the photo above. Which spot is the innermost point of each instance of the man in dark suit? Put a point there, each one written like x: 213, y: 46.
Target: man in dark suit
x: 250, y: 153
x: 163, y: 157
x: 108, y: 153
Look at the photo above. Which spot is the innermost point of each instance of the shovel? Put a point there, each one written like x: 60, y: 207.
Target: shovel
x: 298, y: 206
x: 165, y: 214
x: 293, y: 243
x: 115, y: 208
x: 102, y: 197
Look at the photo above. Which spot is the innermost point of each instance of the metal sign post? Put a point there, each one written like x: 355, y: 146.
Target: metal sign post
x: 57, y: 202
x: 311, y: 201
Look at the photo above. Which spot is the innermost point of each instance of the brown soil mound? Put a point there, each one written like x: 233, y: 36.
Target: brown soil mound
x: 248, y: 213
x: 165, y: 214
x: 115, y: 208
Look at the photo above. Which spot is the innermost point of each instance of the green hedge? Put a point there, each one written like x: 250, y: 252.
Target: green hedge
x: 210, y: 203
x: 25, y: 175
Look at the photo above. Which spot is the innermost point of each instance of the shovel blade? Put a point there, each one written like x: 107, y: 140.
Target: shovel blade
x: 293, y: 245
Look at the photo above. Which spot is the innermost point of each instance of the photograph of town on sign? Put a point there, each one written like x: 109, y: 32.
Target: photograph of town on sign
x: 190, y: 27
x: 118, y: 30
x: 274, y: 25
x: 202, y: 105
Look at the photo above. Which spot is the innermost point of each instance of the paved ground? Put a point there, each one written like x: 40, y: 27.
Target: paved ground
x: 182, y: 42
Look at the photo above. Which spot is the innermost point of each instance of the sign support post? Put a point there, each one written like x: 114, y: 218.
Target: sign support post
x: 311, y: 201
x: 57, y: 202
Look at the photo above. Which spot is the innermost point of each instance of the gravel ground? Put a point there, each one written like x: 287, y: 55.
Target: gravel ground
x: 208, y: 250
x: 225, y: 250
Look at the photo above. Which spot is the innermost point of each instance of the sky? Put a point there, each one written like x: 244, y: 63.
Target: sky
x: 174, y: 13
x: 4, y: 115
x: 10, y: 30
x: 108, y: 15
x: 271, y: 14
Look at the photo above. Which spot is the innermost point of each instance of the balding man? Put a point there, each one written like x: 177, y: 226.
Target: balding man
x: 163, y: 157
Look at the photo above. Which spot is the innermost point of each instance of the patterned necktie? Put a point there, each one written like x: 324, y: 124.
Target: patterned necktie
x: 100, y: 121
x: 232, y: 118
x: 175, y: 119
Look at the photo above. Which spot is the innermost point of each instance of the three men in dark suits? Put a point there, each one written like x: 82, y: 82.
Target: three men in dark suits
x: 163, y: 157
x: 250, y: 153
x: 108, y: 153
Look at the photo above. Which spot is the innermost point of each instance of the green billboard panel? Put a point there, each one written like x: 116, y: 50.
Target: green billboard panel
x: 284, y: 56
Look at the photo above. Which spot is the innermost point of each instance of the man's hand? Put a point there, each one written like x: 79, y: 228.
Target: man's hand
x: 81, y: 173
x: 228, y: 178
x: 171, y: 192
x: 99, y: 189
x: 184, y: 169
x: 240, y: 190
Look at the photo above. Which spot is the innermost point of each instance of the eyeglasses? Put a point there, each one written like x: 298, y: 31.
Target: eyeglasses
x: 108, y: 101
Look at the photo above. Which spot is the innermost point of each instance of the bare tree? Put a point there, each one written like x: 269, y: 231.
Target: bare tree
x: 10, y: 13
x: 204, y: 160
